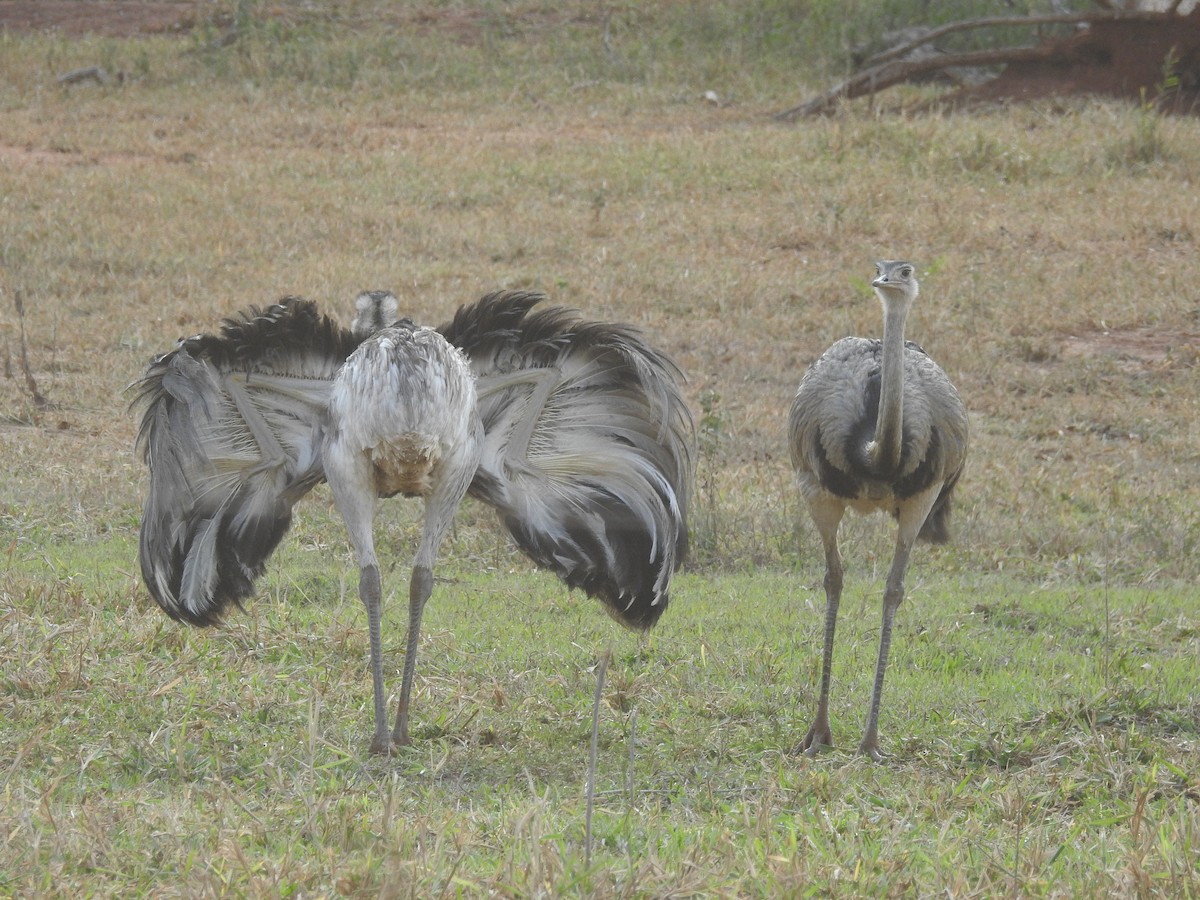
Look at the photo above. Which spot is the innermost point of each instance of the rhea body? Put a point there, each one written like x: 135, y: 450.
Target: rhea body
x: 876, y: 426
x: 575, y: 432
x: 402, y: 419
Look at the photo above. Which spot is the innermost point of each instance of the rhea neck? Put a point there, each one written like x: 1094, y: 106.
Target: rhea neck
x: 883, y: 452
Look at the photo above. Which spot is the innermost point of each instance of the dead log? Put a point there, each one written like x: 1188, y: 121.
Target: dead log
x: 1149, y: 30
x: 884, y: 76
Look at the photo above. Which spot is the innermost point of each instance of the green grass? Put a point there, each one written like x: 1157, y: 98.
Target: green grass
x: 1041, y: 742
x: 1041, y: 711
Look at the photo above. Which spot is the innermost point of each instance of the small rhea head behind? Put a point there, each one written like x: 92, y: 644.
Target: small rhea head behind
x: 373, y: 310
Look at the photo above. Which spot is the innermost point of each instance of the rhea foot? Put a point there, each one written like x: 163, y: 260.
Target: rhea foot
x: 819, y: 738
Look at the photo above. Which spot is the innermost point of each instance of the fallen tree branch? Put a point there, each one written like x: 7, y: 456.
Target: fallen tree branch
x: 880, y: 77
x: 1010, y: 21
x: 887, y: 68
x: 87, y: 73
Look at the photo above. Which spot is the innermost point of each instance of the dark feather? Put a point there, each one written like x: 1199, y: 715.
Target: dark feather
x: 601, y: 497
x: 936, y: 529
x: 219, y: 501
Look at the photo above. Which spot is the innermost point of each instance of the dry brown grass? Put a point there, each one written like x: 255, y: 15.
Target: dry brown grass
x: 1054, y: 260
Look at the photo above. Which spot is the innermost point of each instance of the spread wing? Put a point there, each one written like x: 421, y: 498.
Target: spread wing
x: 589, y: 446
x: 231, y: 428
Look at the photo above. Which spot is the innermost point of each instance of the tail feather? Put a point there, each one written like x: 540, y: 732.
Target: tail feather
x: 230, y: 432
x: 588, y: 447
x: 936, y: 527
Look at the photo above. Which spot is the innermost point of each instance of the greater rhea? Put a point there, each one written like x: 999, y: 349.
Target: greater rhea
x: 576, y: 432
x: 876, y: 426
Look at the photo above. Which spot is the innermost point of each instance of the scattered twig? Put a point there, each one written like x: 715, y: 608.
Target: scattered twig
x: 632, y: 754
x: 601, y: 671
x: 1106, y: 655
x: 87, y: 73
x: 1016, y: 868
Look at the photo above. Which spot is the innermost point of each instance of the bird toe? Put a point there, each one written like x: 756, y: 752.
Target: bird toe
x: 871, y: 749
x: 383, y: 746
x: 816, y: 741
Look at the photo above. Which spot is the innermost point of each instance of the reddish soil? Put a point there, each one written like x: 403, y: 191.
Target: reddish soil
x: 112, y: 18
x: 1139, y: 349
x: 1115, y: 59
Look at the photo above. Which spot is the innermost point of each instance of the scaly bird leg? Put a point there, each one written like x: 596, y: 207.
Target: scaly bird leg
x: 827, y: 515
x: 893, y: 596
x: 356, y: 503
x: 912, y: 517
x: 419, y: 589
x: 450, y: 484
x: 370, y: 591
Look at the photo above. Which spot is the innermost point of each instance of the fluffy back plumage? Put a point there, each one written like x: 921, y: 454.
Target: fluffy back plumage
x: 587, y: 450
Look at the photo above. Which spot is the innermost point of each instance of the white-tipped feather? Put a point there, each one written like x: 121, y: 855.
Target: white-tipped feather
x: 588, y: 447
x: 231, y: 434
x: 576, y: 432
x: 199, y: 568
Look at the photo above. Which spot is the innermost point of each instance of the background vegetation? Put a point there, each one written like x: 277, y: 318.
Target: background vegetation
x: 1042, y: 710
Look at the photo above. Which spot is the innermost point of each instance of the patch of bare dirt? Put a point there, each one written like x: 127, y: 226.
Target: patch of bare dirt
x: 127, y: 18
x: 29, y: 156
x: 1138, y: 349
x: 1144, y: 61
x: 110, y: 18
x: 33, y: 156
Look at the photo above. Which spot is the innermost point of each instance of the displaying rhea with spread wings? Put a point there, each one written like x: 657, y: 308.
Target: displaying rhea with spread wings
x: 876, y: 426
x: 576, y: 432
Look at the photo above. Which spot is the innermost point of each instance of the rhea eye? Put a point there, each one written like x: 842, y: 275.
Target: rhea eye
x: 906, y: 272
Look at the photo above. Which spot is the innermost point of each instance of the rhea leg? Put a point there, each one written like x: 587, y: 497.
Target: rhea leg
x: 440, y: 507
x: 356, y: 503
x: 827, y: 514
x: 419, y: 588
x: 912, y: 516
x: 370, y: 591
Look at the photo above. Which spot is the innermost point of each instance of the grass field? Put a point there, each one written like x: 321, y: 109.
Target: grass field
x: 1042, y: 710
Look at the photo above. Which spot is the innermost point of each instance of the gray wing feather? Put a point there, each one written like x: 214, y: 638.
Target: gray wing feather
x: 231, y: 434
x: 589, y: 448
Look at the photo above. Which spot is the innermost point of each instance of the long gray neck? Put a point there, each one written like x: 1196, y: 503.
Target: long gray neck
x: 884, y: 451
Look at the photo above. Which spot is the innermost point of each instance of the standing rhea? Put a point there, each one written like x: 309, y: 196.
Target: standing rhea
x: 402, y: 419
x: 575, y: 432
x: 876, y: 426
